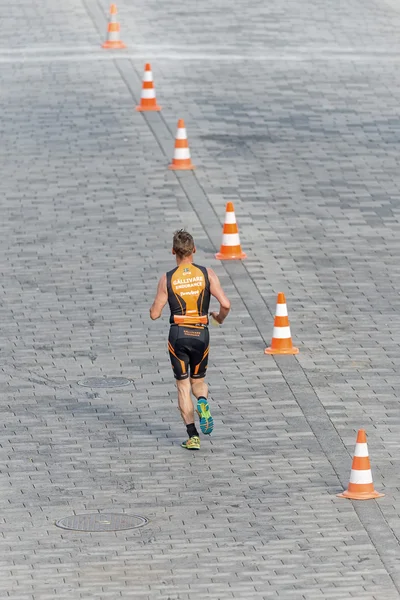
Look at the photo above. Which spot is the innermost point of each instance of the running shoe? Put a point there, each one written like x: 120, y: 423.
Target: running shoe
x: 206, y: 420
x: 192, y: 443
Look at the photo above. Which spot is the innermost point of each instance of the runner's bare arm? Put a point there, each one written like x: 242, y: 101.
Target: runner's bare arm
x: 218, y: 293
x: 160, y: 300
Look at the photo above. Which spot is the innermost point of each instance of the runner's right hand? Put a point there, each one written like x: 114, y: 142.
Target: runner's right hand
x: 216, y: 318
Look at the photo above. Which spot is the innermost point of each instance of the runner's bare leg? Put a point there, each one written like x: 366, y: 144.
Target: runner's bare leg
x: 199, y: 388
x: 185, y: 401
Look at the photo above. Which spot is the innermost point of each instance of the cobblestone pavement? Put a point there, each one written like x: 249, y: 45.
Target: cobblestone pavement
x: 292, y: 112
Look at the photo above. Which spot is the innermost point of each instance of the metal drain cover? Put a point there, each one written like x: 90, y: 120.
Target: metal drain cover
x: 105, y: 382
x: 102, y: 522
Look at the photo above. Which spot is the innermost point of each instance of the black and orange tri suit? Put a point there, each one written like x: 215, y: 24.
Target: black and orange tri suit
x: 188, y: 289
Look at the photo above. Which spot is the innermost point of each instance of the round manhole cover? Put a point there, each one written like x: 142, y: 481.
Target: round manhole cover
x: 105, y: 382
x: 102, y: 522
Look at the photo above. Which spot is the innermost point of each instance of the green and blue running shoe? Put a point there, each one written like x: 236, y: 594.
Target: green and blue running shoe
x: 192, y: 443
x: 206, y: 420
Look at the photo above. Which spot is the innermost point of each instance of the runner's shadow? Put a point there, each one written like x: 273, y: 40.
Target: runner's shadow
x: 111, y: 426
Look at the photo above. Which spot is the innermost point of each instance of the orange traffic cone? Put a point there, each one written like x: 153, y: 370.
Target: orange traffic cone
x: 148, y: 97
x: 361, y: 486
x: 113, y: 40
x: 281, y: 337
x: 230, y: 247
x: 181, y: 160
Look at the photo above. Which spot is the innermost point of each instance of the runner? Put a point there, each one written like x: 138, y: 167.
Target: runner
x: 187, y: 289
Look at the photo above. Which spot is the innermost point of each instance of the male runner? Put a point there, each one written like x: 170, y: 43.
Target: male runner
x: 187, y: 289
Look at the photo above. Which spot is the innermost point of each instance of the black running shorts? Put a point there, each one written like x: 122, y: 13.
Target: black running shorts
x: 188, y: 347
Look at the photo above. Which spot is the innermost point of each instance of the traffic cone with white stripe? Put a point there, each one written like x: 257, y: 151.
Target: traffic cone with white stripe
x: 113, y: 39
x: 281, y: 337
x: 361, y: 486
x: 148, y: 96
x: 230, y: 248
x: 181, y: 160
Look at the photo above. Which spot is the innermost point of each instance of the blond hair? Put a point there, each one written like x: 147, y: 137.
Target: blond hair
x: 183, y: 243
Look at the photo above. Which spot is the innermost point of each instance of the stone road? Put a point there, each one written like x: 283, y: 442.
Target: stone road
x: 292, y: 111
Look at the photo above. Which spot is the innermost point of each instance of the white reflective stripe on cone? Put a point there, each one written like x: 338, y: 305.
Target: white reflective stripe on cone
x: 230, y: 218
x: 361, y: 450
x: 281, y: 310
x: 113, y: 36
x: 181, y: 134
x: 181, y: 153
x: 148, y: 76
x: 148, y: 93
x: 113, y: 18
x: 281, y: 333
x: 361, y: 476
x: 230, y: 239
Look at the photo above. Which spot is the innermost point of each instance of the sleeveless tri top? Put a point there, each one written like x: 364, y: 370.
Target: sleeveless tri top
x: 188, y: 289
